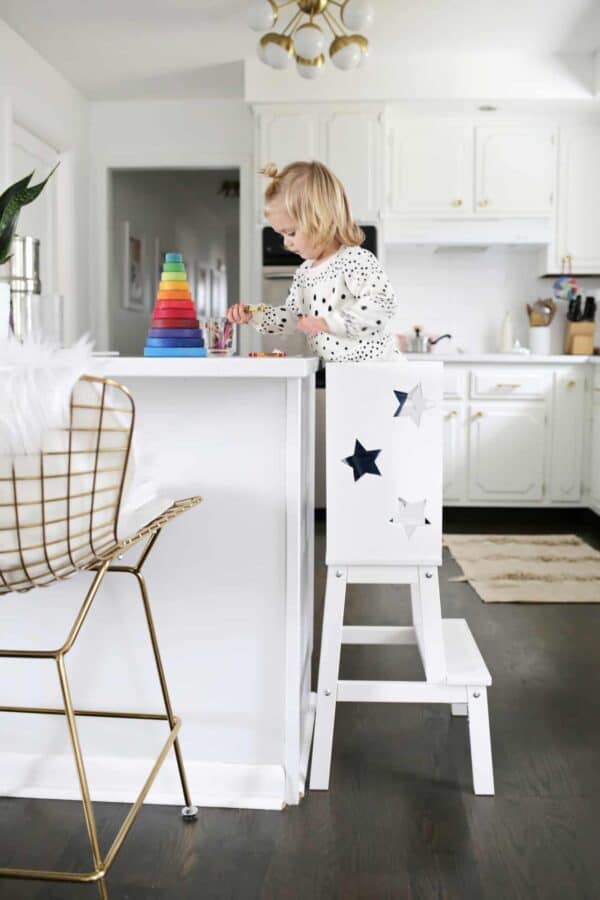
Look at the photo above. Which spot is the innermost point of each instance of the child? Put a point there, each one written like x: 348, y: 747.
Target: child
x: 340, y: 296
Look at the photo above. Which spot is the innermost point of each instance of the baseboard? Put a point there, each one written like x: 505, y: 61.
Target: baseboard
x: 119, y: 780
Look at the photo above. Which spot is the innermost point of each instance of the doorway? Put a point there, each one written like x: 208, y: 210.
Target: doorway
x: 195, y: 212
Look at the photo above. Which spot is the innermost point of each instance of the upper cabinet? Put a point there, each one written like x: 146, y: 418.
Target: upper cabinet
x: 515, y: 170
x: 349, y: 140
x: 577, y: 245
x: 430, y: 168
x: 457, y: 168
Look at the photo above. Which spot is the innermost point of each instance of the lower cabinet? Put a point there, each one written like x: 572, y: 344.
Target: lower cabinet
x: 568, y: 422
x: 507, y: 450
x: 595, y: 454
x: 455, y: 459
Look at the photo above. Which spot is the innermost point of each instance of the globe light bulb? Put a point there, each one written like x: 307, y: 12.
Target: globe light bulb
x: 357, y: 15
x: 345, y: 52
x: 309, y: 68
x: 309, y: 41
x: 262, y: 14
x: 278, y: 50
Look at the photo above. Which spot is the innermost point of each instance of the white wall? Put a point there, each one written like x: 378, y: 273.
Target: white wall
x: 181, y: 209
x: 36, y: 96
x: 468, y: 294
x: 186, y: 134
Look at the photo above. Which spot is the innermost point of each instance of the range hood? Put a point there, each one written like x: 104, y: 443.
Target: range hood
x: 478, y: 234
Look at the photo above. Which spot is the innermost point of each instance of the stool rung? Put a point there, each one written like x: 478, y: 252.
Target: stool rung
x: 399, y: 692
x: 378, y: 634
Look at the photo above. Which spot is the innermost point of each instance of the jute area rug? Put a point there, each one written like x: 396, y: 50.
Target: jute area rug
x: 527, y: 568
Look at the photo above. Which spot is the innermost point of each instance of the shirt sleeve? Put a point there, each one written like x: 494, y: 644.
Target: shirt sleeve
x: 372, y: 302
x: 280, y: 319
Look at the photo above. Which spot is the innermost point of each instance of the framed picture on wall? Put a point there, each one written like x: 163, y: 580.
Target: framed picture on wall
x: 201, y: 288
x: 134, y: 268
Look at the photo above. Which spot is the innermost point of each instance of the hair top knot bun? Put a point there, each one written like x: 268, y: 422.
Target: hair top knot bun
x: 271, y: 171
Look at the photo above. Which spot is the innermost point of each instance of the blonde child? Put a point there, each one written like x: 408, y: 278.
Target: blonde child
x: 340, y: 296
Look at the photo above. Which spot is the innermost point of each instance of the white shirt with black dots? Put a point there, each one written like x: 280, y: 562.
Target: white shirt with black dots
x: 352, y: 293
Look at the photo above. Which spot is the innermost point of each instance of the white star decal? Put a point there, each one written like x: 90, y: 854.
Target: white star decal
x: 416, y: 404
x: 410, y: 515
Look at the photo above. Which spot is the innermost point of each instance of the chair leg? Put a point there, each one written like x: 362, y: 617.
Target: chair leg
x: 329, y: 666
x: 481, y: 745
x: 88, y: 810
x: 189, y: 811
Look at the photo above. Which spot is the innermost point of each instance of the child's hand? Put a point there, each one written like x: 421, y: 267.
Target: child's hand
x: 238, y: 315
x: 310, y: 325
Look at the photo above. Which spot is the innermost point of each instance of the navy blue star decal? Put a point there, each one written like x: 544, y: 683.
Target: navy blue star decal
x: 362, y: 462
x: 401, y: 396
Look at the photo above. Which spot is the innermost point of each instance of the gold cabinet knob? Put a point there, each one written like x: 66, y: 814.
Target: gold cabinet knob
x: 478, y: 415
x: 571, y: 384
x: 457, y: 202
x: 484, y: 202
x: 452, y: 414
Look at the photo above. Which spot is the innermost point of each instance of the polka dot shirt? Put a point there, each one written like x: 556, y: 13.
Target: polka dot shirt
x: 352, y: 293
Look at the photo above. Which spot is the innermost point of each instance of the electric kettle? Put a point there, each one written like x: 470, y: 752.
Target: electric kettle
x: 420, y: 343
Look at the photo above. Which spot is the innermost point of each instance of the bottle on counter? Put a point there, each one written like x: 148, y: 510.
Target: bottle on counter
x: 506, y: 334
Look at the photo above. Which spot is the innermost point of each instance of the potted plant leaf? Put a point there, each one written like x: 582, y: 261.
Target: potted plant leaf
x: 14, y: 198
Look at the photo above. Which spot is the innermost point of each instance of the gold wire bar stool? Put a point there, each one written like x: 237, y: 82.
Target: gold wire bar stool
x: 59, y: 511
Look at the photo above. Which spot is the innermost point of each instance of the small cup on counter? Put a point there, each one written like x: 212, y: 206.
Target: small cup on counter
x: 219, y: 336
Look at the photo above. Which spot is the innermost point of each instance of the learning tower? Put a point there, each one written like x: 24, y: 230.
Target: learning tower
x: 174, y: 330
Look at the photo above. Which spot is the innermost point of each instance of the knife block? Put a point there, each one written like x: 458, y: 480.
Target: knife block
x: 579, y: 338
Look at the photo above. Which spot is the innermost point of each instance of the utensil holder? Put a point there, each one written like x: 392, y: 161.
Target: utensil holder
x: 539, y: 340
x: 219, y: 336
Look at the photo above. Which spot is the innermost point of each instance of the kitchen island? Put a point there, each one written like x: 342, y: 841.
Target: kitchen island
x: 232, y: 589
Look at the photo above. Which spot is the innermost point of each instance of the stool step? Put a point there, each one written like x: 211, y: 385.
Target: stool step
x: 465, y: 664
x: 399, y: 692
x: 378, y: 634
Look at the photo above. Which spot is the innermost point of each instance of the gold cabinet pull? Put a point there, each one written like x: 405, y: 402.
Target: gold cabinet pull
x: 457, y: 202
x: 571, y: 383
x: 484, y: 202
x: 506, y: 386
x: 452, y: 414
x: 478, y: 415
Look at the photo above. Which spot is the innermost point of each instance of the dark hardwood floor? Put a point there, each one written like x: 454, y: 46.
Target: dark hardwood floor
x: 400, y: 820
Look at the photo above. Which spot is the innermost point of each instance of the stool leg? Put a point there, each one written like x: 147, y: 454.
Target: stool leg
x: 88, y: 809
x: 481, y: 745
x: 427, y: 621
x: 329, y: 666
x: 189, y: 811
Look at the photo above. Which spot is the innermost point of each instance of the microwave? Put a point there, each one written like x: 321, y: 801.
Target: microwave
x: 275, y: 254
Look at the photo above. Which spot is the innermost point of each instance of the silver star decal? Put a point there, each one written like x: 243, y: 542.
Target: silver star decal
x: 410, y: 515
x: 415, y: 405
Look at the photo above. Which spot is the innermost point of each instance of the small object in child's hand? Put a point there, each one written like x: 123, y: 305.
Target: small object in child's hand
x: 260, y: 307
x: 275, y: 353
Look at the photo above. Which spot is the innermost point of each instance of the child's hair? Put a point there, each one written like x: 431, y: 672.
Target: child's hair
x: 315, y: 200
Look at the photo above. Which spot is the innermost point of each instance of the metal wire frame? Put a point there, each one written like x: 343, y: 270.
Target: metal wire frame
x: 99, y: 562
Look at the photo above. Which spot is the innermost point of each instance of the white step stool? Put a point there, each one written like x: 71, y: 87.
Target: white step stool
x: 384, y: 526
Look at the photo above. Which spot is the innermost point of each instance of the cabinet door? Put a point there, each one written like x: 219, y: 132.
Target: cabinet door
x: 282, y: 138
x: 351, y: 147
x: 507, y: 451
x: 579, y: 200
x: 567, y: 437
x: 515, y: 168
x: 454, y: 453
x: 430, y: 168
x: 595, y: 454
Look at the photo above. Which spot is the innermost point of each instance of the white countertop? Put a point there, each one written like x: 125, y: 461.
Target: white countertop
x: 515, y: 359
x: 207, y: 367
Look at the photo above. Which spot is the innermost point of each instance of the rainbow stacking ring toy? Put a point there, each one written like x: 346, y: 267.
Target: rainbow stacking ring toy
x: 174, y: 330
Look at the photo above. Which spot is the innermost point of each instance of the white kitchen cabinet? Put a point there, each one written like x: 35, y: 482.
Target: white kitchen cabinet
x: 515, y: 170
x: 455, y: 460
x: 578, y: 246
x: 430, y: 167
x: 507, y: 449
x: 351, y: 143
x: 568, y: 419
x: 347, y: 139
x: 595, y: 455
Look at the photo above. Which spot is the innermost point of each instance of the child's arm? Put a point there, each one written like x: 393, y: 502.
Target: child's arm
x: 279, y: 319
x: 372, y: 303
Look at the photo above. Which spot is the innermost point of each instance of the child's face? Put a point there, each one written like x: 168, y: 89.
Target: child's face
x: 293, y: 238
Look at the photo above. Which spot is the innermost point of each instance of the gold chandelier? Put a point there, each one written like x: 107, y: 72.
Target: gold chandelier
x: 305, y: 36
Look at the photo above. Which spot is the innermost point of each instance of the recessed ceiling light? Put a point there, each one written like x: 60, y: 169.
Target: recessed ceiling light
x: 487, y: 108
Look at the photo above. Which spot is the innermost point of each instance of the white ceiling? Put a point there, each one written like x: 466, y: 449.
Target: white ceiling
x: 161, y: 48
